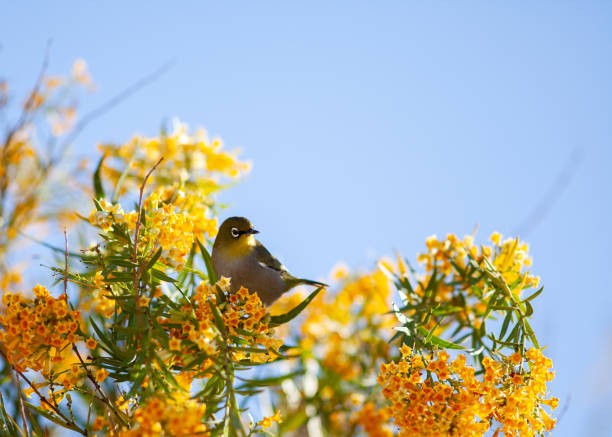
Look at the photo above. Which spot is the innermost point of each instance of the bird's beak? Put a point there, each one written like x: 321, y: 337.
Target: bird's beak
x: 253, y: 231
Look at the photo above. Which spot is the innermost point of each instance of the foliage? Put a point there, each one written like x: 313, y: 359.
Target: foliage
x: 139, y: 336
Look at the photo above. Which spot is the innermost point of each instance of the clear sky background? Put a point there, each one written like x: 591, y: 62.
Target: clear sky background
x: 372, y: 126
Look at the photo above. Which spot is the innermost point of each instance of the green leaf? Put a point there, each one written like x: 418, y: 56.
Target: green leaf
x: 514, y: 334
x: 53, y: 418
x: 125, y: 277
x: 450, y: 309
x: 530, y: 333
x: 103, y: 340
x: 294, y: 421
x: 213, y: 386
x: 212, y: 276
x: 274, y: 380
x: 8, y: 426
x: 505, y: 324
x: 528, y: 308
x: 534, y: 295
x: 406, y: 285
x: 428, y: 337
x: 218, y: 318
x: 97, y: 180
x: 161, y: 276
x: 284, y: 318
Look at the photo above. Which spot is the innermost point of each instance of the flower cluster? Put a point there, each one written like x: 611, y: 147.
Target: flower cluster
x: 245, y: 316
x: 464, y: 284
x: 180, y: 207
x: 34, y: 332
x: 165, y: 414
x: 26, y: 163
x: 166, y: 227
x: 268, y: 421
x: 350, y: 325
x: 193, y: 164
x: 50, y: 95
x: 343, y: 337
x: 374, y: 420
x: 452, y: 255
x: 97, y: 299
x: 196, y: 331
x: 432, y: 396
x: 107, y: 216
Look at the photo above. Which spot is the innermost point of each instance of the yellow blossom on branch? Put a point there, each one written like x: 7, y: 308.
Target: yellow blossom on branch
x: 451, y: 397
x: 31, y: 330
x: 268, y: 421
x: 166, y: 414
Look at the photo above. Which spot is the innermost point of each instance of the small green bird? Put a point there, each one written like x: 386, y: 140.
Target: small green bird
x: 236, y: 254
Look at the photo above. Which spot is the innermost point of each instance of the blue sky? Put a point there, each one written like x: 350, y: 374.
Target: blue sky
x: 373, y: 126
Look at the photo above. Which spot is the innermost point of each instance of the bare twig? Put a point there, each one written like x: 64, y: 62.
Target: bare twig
x: 66, y: 265
x: 543, y: 207
x: 91, y: 377
x: 22, y: 410
x: 20, y: 123
x: 35, y: 89
x: 69, y: 423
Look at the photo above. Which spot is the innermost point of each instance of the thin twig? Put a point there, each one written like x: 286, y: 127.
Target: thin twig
x: 137, y: 233
x: 44, y: 400
x: 66, y: 265
x: 112, y: 102
x: 28, y: 103
x: 20, y: 123
x: 103, y: 396
x: 22, y: 409
x: 544, y: 205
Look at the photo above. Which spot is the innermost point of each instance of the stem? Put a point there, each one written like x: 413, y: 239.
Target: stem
x: 103, y: 396
x: 69, y: 423
x: 66, y: 265
x: 22, y: 411
x: 20, y: 123
x: 136, y: 235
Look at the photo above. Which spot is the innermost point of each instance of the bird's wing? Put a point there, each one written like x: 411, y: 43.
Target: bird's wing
x: 265, y: 258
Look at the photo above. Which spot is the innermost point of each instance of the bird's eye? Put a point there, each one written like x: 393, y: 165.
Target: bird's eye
x: 235, y: 232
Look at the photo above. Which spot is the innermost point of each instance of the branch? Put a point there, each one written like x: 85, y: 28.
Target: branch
x: 22, y: 411
x: 66, y: 265
x: 544, y: 205
x: 20, y: 123
x: 69, y: 423
x: 137, y: 232
x: 103, y: 396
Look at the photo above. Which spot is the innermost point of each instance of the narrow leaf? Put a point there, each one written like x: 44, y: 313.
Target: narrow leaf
x: 534, y: 295
x: 212, y: 276
x: 437, y: 341
x: 97, y: 180
x: 505, y: 324
x: 284, y: 318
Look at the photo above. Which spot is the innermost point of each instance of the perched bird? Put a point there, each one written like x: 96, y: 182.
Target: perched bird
x: 238, y: 255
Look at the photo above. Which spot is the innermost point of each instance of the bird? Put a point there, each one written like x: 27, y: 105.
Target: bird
x: 237, y: 255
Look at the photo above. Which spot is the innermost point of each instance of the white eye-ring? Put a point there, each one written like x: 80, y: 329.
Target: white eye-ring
x: 235, y: 232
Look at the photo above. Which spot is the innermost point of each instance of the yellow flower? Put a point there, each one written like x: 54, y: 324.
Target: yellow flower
x: 267, y: 422
x: 495, y: 238
x: 100, y: 374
